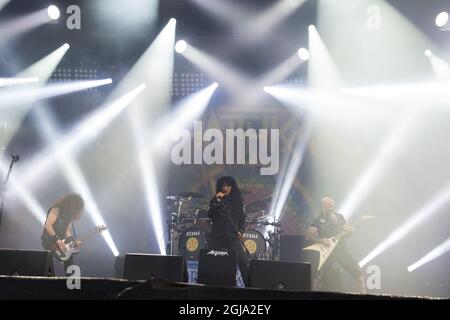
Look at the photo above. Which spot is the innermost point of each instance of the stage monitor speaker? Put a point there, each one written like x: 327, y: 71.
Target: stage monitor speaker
x: 118, y: 266
x: 291, y: 246
x: 280, y: 275
x: 26, y: 262
x: 139, y: 266
x: 291, y: 250
x: 217, y: 267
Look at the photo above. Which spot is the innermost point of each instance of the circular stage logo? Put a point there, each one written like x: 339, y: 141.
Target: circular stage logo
x: 192, y: 244
x: 251, y: 246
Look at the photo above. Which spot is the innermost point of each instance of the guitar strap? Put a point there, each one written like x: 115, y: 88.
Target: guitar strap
x: 334, y: 218
x: 236, y: 230
x: 73, y: 231
x: 230, y: 219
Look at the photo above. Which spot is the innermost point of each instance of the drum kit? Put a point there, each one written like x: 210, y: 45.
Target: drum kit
x: 189, y: 227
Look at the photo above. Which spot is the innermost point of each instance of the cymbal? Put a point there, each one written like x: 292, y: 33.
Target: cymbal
x: 266, y: 217
x: 191, y: 194
x: 267, y: 223
x: 177, y: 198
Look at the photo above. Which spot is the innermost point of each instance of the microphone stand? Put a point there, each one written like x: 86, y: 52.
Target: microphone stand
x: 171, y: 224
x: 14, y: 158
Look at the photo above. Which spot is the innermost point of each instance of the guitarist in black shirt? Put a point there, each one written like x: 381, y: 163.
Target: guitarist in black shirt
x: 58, y: 226
x: 328, y: 225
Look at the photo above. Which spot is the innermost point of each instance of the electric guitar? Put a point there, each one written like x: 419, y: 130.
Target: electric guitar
x: 70, y: 247
x: 325, y: 251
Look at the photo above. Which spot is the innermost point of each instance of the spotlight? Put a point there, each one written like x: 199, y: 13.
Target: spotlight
x: 80, y: 135
x: 431, y: 208
x: 53, y: 12
x: 311, y: 27
x: 441, y: 19
x: 181, y: 46
x: 433, y: 254
x: 440, y: 67
x: 17, y: 81
x: 303, y: 54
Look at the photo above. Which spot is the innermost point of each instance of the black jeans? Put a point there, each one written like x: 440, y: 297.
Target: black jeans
x: 52, y: 270
x: 330, y: 274
x: 67, y: 264
x: 236, y: 246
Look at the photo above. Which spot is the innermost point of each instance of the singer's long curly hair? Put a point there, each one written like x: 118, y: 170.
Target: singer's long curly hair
x: 70, y: 205
x: 235, y: 194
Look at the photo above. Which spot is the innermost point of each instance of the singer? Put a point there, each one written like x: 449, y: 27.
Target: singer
x: 226, y: 211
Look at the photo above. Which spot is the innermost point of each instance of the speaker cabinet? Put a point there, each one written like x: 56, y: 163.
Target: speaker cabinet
x: 145, y: 266
x: 280, y: 275
x: 291, y: 247
x: 291, y: 250
x: 26, y: 262
x: 217, y: 267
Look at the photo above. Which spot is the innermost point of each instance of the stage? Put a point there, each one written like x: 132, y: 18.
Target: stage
x: 243, y: 150
x: 55, y: 288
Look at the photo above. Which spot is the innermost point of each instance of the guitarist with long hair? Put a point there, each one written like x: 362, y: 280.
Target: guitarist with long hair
x: 58, y: 226
x: 329, y: 224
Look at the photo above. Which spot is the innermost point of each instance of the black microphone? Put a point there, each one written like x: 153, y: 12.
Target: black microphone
x: 15, y: 157
x: 220, y: 199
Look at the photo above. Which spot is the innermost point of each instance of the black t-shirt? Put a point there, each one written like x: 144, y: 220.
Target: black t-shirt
x: 227, y: 217
x: 327, y: 227
x: 60, y: 227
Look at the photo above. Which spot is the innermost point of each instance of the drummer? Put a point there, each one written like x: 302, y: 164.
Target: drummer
x: 226, y: 211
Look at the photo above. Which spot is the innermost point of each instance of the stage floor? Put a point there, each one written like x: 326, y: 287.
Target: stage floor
x: 30, y: 288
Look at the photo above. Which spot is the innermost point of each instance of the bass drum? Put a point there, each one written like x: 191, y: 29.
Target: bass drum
x: 255, y: 243
x: 190, y: 242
